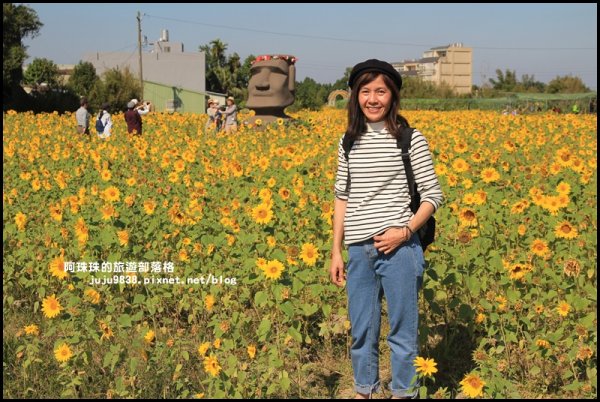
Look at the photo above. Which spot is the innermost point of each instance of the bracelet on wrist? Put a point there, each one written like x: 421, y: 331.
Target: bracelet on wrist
x: 410, y: 230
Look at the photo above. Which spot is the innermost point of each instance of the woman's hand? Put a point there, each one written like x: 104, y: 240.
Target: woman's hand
x: 336, y: 270
x: 391, y: 239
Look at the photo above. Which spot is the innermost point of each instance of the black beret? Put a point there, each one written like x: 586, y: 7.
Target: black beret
x: 378, y: 66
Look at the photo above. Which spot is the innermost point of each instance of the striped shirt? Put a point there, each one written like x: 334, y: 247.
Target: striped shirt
x: 378, y: 197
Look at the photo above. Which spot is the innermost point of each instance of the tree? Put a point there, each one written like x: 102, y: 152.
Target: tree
x: 41, y: 71
x: 18, y: 22
x: 226, y: 74
x: 506, y: 82
x: 83, y: 79
x: 566, y: 84
x: 342, y: 83
x: 529, y: 84
x: 118, y: 88
x: 309, y: 95
x: 215, y: 65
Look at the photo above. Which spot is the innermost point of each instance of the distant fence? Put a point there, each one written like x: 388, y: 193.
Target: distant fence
x: 524, y: 103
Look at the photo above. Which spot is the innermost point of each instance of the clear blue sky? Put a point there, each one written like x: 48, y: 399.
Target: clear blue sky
x: 544, y: 40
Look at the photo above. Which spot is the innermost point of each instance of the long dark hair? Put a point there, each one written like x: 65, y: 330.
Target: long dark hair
x: 357, y: 123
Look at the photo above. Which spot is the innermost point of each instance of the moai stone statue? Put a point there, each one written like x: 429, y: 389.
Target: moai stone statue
x: 272, y: 87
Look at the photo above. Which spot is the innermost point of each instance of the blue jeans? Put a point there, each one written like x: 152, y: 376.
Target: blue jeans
x: 399, y: 276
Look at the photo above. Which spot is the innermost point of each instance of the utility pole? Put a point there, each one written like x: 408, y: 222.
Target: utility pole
x: 139, y: 20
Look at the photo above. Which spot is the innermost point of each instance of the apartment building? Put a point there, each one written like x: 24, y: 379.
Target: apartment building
x: 452, y: 64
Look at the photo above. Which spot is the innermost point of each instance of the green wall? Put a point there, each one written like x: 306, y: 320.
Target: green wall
x: 185, y: 101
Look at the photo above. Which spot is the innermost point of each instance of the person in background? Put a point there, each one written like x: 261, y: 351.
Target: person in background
x: 372, y: 217
x: 211, y: 111
x: 143, y: 108
x: 230, y: 114
x: 83, y: 117
x: 105, y: 119
x: 133, y: 119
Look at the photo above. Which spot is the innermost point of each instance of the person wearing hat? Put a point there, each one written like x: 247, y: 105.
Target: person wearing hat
x: 230, y: 114
x: 133, y: 119
x: 372, y: 217
x: 211, y: 111
x: 104, y: 125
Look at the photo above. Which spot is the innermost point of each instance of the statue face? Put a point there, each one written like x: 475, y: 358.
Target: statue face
x: 271, y: 85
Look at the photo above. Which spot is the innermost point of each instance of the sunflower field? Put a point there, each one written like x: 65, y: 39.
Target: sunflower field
x: 191, y: 264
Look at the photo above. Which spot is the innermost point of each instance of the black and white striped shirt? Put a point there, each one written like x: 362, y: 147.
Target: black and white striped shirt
x: 378, y: 197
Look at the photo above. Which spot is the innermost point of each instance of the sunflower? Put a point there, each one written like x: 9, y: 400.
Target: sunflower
x: 542, y: 343
x: 518, y: 270
x: 149, y: 337
x: 57, y: 268
x: 123, y: 236
x: 425, y: 367
x: 63, y: 353
x: 111, y: 194
x: 203, y: 348
x: 472, y: 385
x: 51, y: 306
x: 209, y: 302
x: 179, y: 166
x: 262, y: 214
x: 265, y: 195
x: 572, y: 268
x: 32, y: 330
x: 20, y: 220
x: 489, y: 175
x: 56, y: 212
x: 565, y: 230
x: 460, y: 165
x: 284, y: 193
x: 149, y: 206
x: 105, y: 175
x: 93, y: 296
x: 584, y: 353
x: 107, y: 211
x: 107, y: 333
x: 251, y: 351
x: 467, y: 217
x: 271, y: 242
x: 563, y: 308
x: 563, y: 188
x: 273, y: 269
x: 540, y: 248
x: 211, y: 365
x: 309, y: 254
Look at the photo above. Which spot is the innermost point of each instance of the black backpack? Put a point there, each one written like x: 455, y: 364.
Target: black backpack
x: 99, y: 124
x: 427, y: 232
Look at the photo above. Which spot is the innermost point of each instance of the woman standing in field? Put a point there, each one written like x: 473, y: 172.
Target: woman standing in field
x: 373, y: 218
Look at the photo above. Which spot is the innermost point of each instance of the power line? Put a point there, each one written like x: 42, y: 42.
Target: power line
x: 358, y: 40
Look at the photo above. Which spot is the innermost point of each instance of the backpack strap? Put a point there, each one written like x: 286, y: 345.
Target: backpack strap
x: 347, y: 144
x: 404, y: 144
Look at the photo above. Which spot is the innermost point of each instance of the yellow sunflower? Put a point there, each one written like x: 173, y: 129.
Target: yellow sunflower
x: 203, y: 348
x: 211, y: 365
x: 57, y: 268
x: 472, y: 385
x: 273, y: 269
x: 309, y: 254
x: 51, y: 306
x: 20, y: 220
x: 565, y: 230
x: 262, y: 214
x: 63, y: 353
x: 425, y: 367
